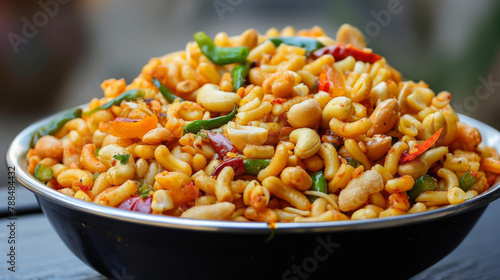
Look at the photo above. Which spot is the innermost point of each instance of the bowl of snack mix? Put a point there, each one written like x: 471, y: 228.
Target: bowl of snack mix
x: 283, y: 155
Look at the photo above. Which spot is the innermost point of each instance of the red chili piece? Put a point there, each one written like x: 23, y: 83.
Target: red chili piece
x: 221, y: 144
x: 56, y: 185
x: 323, y: 83
x: 279, y: 100
x: 186, y: 193
x: 421, y: 148
x: 341, y: 51
x: 236, y: 163
x: 135, y: 203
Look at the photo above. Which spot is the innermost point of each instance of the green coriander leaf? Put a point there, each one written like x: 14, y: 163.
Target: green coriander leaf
x: 122, y: 158
x: 202, y: 135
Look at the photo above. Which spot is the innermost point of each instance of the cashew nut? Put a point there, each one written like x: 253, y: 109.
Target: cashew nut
x: 215, y: 100
x: 307, y: 142
x: 241, y: 135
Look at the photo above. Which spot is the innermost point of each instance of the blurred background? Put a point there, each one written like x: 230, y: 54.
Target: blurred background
x: 54, y: 54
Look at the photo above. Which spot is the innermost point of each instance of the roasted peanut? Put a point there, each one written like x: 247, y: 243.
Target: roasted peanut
x: 296, y: 177
x: 415, y: 168
x: 49, y: 146
x: 377, y: 146
x: 280, y: 84
x: 468, y: 136
x: 349, y: 34
x: 305, y: 114
x: 384, y: 117
x: 257, y: 76
x: 249, y: 38
x: 157, y: 135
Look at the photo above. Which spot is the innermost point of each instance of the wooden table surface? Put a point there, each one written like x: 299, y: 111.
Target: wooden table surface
x: 40, y: 254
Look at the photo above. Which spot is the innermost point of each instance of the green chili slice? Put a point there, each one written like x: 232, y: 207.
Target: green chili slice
x: 307, y: 43
x: 422, y: 184
x: 94, y: 176
x: 352, y: 162
x: 169, y: 95
x: 238, y: 75
x: 220, y: 55
x: 319, y: 184
x: 196, y: 126
x: 133, y: 94
x: 467, y: 181
x: 144, y: 189
x: 55, y: 125
x: 43, y: 173
x: 254, y: 166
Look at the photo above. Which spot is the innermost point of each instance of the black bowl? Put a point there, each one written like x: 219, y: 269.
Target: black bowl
x: 130, y: 245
